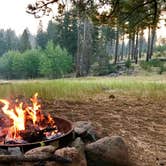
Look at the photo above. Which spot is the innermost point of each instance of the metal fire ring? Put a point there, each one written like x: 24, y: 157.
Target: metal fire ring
x: 63, y: 125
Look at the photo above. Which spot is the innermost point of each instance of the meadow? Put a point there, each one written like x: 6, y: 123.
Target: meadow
x: 130, y: 106
x: 78, y: 88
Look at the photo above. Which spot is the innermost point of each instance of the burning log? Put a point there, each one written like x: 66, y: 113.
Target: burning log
x: 23, y: 123
x: 33, y: 158
x: 26, y: 122
x: 36, y: 134
x: 54, y: 136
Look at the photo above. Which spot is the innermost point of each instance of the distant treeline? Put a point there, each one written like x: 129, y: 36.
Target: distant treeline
x: 71, y: 44
x: 10, y: 41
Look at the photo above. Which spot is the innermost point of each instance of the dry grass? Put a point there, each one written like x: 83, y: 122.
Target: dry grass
x: 77, y: 89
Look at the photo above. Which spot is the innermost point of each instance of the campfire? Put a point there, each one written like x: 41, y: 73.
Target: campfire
x: 23, y: 123
x: 30, y: 137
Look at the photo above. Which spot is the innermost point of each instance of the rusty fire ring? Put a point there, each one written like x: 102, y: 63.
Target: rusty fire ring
x: 65, y: 126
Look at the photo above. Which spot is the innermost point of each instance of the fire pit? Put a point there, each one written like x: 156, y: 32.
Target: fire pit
x: 23, y: 125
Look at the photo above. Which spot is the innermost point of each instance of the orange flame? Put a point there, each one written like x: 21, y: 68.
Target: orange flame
x: 21, y: 116
x: 32, y: 111
x: 16, y: 114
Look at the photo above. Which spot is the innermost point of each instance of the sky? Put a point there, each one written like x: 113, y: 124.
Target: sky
x: 161, y: 33
x: 13, y: 15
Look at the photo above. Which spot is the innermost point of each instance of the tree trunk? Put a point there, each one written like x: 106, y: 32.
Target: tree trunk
x: 129, y: 53
x: 136, y: 49
x: 148, y: 46
x: 113, y: 47
x: 153, y: 28
x: 116, y: 46
x: 140, y: 44
x: 153, y: 33
x: 122, y: 51
x: 84, y: 47
x: 133, y: 46
x: 87, y: 46
x: 78, y: 57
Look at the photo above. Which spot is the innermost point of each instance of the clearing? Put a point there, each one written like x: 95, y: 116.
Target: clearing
x: 132, y: 107
x: 140, y: 121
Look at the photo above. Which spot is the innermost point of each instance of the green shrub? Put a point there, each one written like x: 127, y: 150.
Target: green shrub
x: 51, y: 62
x: 128, y: 64
x: 155, y: 63
x: 55, y: 61
x: 148, y: 66
x: 94, y: 69
x: 113, y: 68
x: 31, y: 63
x: 11, y: 64
x: 160, y: 51
x: 16, y: 65
x: 97, y: 70
x: 145, y: 66
x: 162, y: 69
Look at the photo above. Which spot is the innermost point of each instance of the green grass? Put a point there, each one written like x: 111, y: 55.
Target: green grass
x: 77, y: 89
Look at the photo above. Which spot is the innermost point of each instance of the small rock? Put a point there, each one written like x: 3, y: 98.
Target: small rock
x: 4, y: 152
x: 15, y: 151
x: 113, y: 75
x: 47, y: 150
x: 121, y: 72
x: 78, y: 144
x: 111, y: 96
x: 85, y: 130
x: 39, y: 152
x: 73, y: 153
x: 107, y: 151
x: 82, y: 127
x: 162, y: 163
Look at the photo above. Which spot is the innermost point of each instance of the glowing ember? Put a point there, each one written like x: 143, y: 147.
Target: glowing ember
x: 26, y: 120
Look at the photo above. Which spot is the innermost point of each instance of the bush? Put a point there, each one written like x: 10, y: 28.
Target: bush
x: 52, y: 62
x: 128, y: 64
x: 97, y: 70
x: 153, y: 63
x: 145, y: 66
x: 113, y: 68
x: 161, y: 70
x: 31, y: 63
x: 55, y: 62
x: 16, y: 65
x: 160, y: 51
x: 10, y: 64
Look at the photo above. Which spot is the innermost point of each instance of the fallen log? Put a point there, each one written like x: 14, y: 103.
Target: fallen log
x: 33, y: 158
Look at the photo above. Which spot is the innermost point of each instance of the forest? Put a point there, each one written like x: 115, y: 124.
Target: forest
x: 86, y: 44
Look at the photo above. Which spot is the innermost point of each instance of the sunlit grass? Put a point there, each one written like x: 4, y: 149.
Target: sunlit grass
x: 77, y: 89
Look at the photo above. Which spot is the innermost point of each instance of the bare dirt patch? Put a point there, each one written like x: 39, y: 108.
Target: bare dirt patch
x: 140, y: 121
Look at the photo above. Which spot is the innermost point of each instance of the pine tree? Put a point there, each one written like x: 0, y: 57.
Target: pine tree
x: 25, y: 41
x: 41, y: 37
x: 3, y: 45
x: 11, y: 40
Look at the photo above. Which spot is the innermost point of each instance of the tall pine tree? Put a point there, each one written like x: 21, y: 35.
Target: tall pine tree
x: 25, y: 41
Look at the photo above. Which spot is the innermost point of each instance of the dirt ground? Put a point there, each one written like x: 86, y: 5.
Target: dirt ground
x: 140, y: 121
